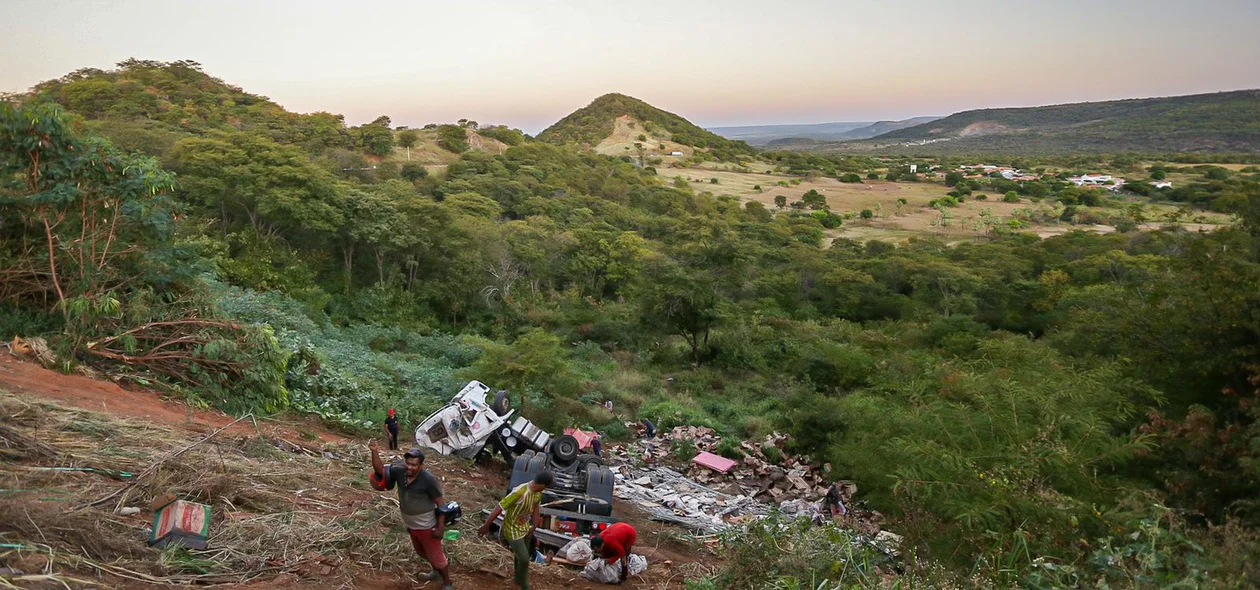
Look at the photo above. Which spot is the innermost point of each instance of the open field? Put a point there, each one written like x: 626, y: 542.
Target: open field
x: 896, y: 221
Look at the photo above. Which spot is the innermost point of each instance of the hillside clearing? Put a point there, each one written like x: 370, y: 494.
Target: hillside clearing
x: 290, y: 506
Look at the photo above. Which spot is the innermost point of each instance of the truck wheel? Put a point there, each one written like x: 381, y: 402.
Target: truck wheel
x: 599, y: 486
x: 502, y: 403
x: 524, y: 469
x: 565, y: 448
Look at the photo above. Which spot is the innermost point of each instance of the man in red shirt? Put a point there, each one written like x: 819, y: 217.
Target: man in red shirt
x: 614, y: 544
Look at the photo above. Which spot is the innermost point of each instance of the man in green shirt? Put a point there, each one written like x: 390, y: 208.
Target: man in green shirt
x: 520, y: 518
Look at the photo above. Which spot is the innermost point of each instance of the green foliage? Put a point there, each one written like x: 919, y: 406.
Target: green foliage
x: 820, y: 557
x: 453, y: 138
x: 413, y: 172
x: 850, y: 177
x: 1010, y: 197
x: 408, y: 138
x: 814, y: 199
x: 536, y: 361
x: 375, y: 138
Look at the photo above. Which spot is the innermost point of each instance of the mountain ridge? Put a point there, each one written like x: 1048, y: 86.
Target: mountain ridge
x: 1220, y: 121
x: 762, y: 135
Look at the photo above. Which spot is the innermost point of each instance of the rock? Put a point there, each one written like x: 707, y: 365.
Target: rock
x: 128, y: 511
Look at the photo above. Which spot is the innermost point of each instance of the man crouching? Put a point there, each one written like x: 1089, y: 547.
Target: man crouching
x: 418, y: 498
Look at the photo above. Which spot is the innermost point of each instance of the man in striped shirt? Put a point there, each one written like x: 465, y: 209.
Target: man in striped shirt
x: 520, y: 518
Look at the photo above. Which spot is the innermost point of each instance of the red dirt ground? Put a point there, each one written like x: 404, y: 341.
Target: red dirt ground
x: 29, y: 379
x: 107, y: 397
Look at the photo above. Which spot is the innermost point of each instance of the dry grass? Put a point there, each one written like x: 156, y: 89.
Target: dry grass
x: 279, y: 518
x: 626, y: 132
x: 271, y: 511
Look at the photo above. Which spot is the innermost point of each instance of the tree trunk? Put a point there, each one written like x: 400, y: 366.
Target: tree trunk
x: 347, y: 256
x: 380, y: 264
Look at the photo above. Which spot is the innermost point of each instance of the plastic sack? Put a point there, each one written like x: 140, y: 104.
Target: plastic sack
x: 577, y: 550
x: 638, y: 564
x: 599, y: 570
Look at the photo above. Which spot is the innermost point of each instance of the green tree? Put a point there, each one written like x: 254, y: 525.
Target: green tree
x: 536, y: 361
x: 376, y: 138
x: 413, y: 172
x: 407, y: 139
x: 952, y: 178
x: 780, y: 201
x: 453, y: 138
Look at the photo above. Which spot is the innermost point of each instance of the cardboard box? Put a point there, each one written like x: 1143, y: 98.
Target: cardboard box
x: 183, y: 523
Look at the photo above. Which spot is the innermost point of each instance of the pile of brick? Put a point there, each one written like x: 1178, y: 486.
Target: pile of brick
x: 766, y: 476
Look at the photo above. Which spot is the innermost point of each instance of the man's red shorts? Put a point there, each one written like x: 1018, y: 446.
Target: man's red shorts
x: 428, y: 546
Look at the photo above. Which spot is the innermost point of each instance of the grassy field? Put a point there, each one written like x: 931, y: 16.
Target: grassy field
x: 901, y: 210
x: 428, y: 153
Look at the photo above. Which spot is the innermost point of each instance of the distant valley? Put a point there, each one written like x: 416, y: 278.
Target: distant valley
x: 764, y: 135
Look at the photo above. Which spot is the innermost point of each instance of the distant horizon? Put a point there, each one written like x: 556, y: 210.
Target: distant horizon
x: 728, y: 63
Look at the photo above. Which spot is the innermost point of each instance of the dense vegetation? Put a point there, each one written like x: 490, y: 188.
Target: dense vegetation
x: 594, y: 122
x: 1022, y: 409
x: 1219, y: 122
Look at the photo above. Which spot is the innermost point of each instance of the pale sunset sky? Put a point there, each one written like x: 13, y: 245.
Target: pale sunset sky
x: 527, y: 63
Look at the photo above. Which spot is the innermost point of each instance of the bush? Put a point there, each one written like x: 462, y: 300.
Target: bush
x: 872, y: 176
x: 682, y: 451
x: 729, y: 447
x: 850, y: 177
x: 867, y: 214
x: 781, y: 552
x: 412, y: 171
x: 713, y: 181
x: 1010, y: 197
x: 453, y: 138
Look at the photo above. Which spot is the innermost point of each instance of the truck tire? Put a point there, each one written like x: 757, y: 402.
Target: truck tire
x: 599, y: 485
x: 565, y: 449
x: 502, y: 403
x: 525, y: 468
x: 591, y: 459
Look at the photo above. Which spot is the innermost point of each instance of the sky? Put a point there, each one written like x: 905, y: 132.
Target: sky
x: 527, y: 63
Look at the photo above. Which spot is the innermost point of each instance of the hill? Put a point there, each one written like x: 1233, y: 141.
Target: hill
x: 149, y: 106
x: 882, y: 127
x: 1224, y: 121
x: 597, y: 121
x: 761, y: 135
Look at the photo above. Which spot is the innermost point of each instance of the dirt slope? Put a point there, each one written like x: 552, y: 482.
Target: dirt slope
x: 290, y: 503
x: 626, y: 132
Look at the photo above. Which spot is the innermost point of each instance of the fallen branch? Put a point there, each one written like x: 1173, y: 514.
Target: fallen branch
x: 155, y: 466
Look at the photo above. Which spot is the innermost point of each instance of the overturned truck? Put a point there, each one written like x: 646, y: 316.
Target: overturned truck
x: 474, y: 422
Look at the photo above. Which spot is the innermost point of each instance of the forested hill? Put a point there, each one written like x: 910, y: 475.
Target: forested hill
x: 593, y: 123
x: 149, y: 105
x: 1223, y: 121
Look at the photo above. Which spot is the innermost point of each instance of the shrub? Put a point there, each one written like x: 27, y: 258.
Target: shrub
x: 729, y: 447
x: 1010, y: 197
x: 867, y: 214
x: 850, y: 177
